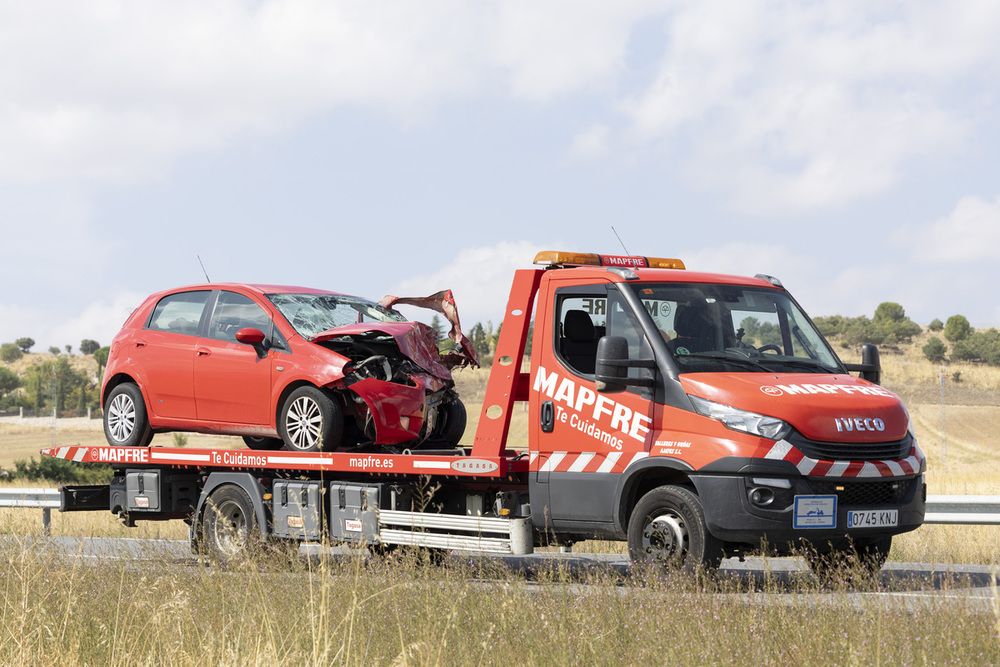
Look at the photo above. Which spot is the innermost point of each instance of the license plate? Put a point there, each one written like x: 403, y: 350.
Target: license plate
x: 872, y: 518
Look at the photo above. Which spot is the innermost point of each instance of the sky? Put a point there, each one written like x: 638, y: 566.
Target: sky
x: 850, y: 148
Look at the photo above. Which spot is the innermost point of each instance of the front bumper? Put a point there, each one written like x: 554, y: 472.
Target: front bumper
x: 732, y: 516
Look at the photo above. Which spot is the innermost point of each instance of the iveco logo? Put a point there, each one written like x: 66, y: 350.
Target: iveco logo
x: 859, y: 424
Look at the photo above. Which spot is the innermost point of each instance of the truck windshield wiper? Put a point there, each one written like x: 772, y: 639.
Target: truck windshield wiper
x: 803, y: 363
x: 723, y: 357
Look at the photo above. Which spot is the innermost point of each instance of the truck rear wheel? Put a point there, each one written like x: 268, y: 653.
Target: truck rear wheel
x: 125, y: 420
x: 311, y: 421
x: 668, y: 528
x: 231, y: 531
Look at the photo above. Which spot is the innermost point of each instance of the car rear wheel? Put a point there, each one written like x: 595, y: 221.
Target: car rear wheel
x: 125, y: 421
x: 311, y: 421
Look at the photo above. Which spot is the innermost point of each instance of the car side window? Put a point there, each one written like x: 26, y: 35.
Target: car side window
x: 234, y: 312
x: 179, y: 313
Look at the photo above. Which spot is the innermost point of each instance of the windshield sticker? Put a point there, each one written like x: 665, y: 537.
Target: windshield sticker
x: 792, y: 389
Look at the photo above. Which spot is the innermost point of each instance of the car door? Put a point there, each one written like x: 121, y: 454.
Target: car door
x: 232, y: 382
x: 163, y: 354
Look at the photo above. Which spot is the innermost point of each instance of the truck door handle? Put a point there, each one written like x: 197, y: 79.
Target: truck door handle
x: 548, y: 416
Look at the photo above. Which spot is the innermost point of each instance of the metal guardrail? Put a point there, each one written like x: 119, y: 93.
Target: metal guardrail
x: 959, y: 510
x: 44, y: 499
x: 953, y: 510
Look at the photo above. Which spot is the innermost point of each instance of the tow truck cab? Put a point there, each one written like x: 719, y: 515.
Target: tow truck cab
x: 646, y: 375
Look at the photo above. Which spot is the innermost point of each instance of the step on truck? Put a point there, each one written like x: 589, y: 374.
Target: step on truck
x: 695, y: 416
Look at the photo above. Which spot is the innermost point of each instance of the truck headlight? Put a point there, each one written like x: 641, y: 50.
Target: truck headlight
x: 742, y: 420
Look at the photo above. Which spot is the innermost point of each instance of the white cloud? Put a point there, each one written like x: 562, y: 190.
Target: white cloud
x: 970, y: 233
x: 793, y: 107
x: 592, y: 143
x: 50, y: 326
x: 480, y: 278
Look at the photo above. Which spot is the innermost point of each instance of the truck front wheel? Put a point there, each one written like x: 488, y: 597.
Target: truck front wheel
x: 667, y: 527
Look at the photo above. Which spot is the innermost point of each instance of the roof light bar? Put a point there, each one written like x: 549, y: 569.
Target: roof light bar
x: 559, y: 258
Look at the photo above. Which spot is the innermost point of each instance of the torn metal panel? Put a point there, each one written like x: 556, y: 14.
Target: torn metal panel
x: 442, y: 302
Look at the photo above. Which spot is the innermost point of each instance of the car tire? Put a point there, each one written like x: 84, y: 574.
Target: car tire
x: 125, y: 420
x: 262, y: 443
x: 451, y: 425
x: 311, y: 421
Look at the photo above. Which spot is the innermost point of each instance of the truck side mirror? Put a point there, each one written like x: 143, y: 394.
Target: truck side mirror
x: 611, y: 369
x: 870, y: 367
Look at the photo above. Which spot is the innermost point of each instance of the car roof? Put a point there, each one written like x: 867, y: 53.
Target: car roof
x: 255, y: 288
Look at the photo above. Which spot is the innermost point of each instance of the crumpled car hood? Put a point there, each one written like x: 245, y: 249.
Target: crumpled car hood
x: 415, y: 340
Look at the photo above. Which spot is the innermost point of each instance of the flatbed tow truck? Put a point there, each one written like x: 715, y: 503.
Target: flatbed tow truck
x: 696, y: 416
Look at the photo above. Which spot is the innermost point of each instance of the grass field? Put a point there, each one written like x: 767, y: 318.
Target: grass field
x: 404, y: 611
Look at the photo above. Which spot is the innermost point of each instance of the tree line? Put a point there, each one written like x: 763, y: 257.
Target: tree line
x: 50, y: 383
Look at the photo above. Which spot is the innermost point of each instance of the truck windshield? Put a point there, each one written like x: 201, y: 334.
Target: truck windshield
x: 312, y: 314
x: 711, y: 327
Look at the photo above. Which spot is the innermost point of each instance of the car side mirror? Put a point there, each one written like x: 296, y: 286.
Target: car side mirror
x: 254, y: 338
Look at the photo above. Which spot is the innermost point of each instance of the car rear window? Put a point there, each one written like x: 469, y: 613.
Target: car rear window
x: 179, y: 313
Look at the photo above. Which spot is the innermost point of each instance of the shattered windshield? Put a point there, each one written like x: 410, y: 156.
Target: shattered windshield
x: 734, y: 328
x: 312, y: 314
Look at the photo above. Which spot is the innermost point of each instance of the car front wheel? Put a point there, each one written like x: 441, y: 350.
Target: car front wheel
x: 311, y: 421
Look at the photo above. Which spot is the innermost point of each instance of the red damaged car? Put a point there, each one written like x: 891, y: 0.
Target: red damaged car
x: 302, y: 368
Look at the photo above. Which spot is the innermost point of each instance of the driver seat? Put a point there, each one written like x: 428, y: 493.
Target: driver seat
x: 695, y: 330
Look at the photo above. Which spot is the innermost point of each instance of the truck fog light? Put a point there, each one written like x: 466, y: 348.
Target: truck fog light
x: 761, y: 496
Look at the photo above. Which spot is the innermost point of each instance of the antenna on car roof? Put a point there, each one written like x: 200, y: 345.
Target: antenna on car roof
x: 620, y: 241
x: 207, y: 279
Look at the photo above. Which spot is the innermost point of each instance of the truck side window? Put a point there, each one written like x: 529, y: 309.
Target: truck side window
x: 581, y: 323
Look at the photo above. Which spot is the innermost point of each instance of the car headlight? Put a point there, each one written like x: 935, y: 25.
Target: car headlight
x: 742, y: 420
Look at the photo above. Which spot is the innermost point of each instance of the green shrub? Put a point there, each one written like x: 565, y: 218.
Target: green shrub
x: 9, y: 352
x: 935, y: 350
x: 957, y: 328
x: 62, y: 471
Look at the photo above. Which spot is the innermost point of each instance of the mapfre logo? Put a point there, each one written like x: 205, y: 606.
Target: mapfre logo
x: 772, y: 391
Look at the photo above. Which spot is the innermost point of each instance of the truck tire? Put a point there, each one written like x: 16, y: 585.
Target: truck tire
x: 230, y: 529
x: 865, y: 558
x: 668, y: 528
x: 311, y: 421
x: 125, y: 421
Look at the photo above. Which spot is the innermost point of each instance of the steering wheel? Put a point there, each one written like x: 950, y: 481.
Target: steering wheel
x: 771, y: 348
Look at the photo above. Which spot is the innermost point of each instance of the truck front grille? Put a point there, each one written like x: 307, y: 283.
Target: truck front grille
x: 865, y: 493
x: 852, y: 451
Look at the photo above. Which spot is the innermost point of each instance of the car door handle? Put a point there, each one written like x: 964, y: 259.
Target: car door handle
x: 140, y: 343
x: 204, y: 352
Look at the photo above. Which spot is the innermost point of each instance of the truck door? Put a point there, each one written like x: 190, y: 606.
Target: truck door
x: 585, y: 439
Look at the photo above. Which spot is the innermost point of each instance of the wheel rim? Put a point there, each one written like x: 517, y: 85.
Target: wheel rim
x: 303, y: 423
x: 229, y: 529
x: 121, y: 417
x: 665, y: 538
